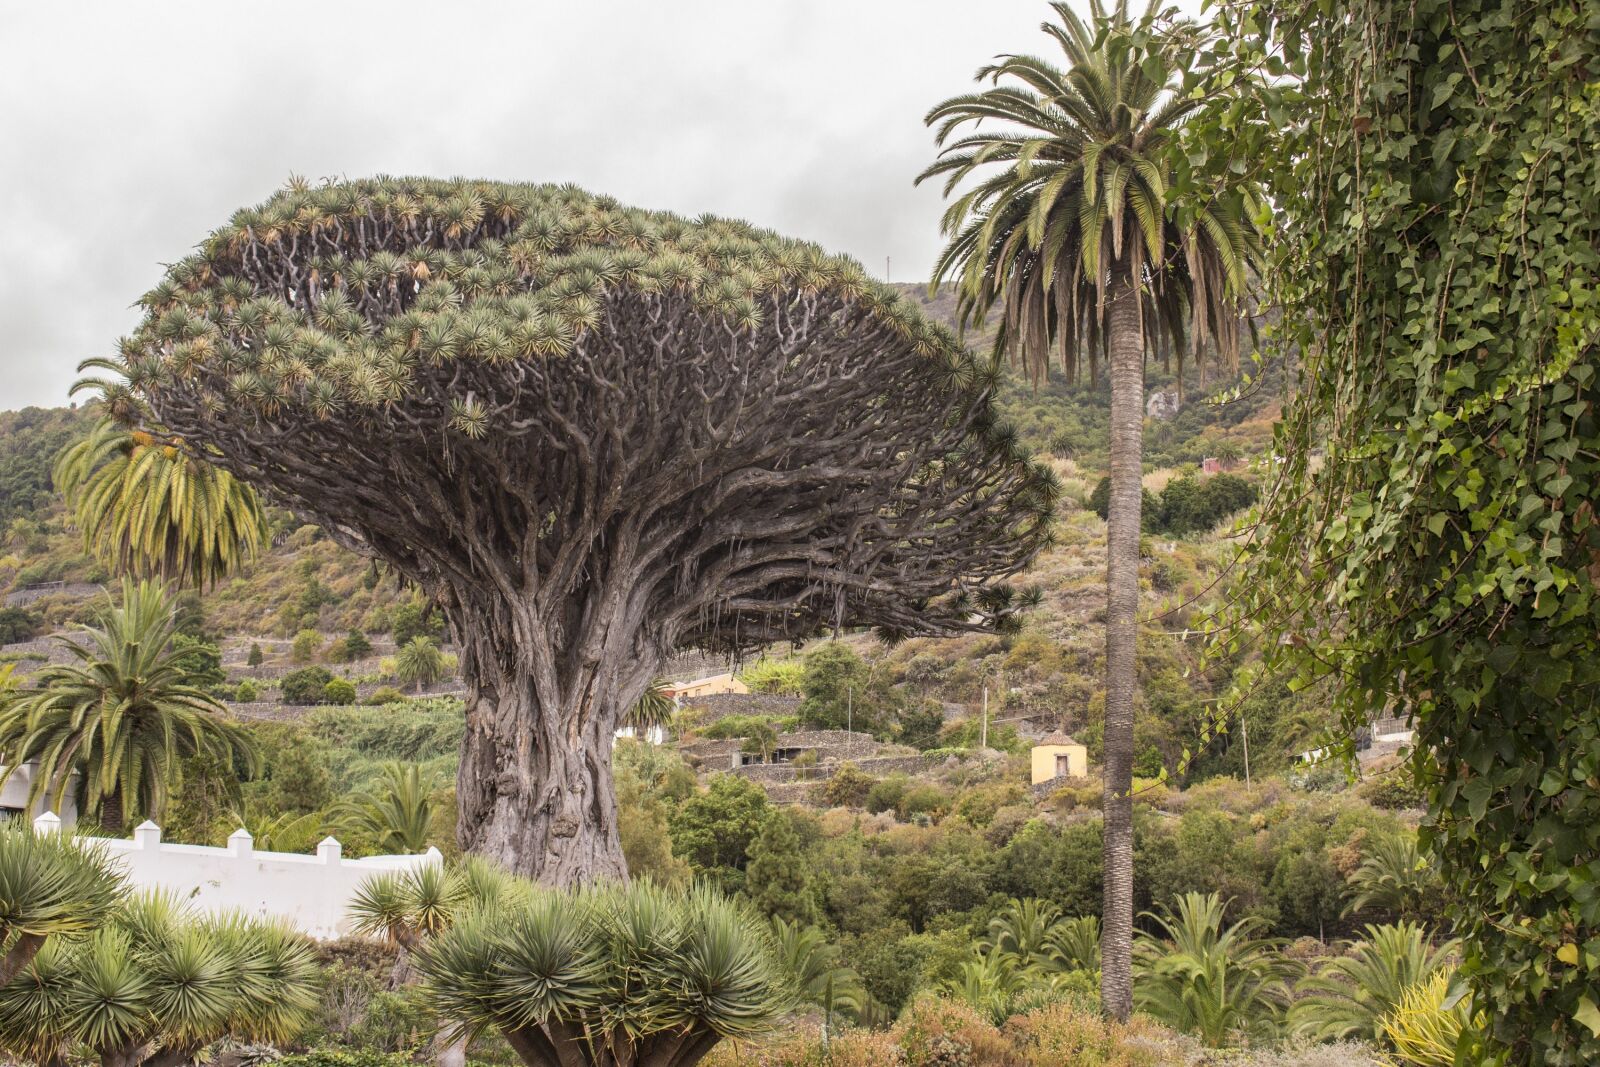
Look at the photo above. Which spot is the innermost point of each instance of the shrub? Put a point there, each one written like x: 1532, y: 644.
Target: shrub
x: 255, y: 657
x: 886, y: 793
x: 730, y: 726
x: 781, y: 676
x: 385, y: 694
x: 1396, y: 790
x: 848, y: 788
x: 246, y: 692
x: 305, y: 646
x: 17, y: 624
x: 308, y: 685
x: 1421, y: 1029
x: 339, y: 691
x: 412, y: 620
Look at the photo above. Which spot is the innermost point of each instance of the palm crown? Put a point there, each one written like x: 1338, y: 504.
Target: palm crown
x: 1072, y: 195
x: 121, y: 715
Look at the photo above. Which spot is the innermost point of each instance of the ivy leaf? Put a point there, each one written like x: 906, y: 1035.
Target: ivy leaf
x: 1588, y: 1014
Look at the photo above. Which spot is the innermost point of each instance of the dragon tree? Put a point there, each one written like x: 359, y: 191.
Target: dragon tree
x: 594, y: 435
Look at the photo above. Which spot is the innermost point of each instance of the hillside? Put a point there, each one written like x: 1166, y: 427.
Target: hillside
x: 1045, y: 678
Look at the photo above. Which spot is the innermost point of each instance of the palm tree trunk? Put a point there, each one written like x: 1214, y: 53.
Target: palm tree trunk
x: 1125, y: 344
x: 111, y: 817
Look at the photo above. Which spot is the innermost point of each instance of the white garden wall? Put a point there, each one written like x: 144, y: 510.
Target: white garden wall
x: 312, y: 892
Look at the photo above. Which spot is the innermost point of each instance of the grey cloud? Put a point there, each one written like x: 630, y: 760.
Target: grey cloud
x: 130, y: 130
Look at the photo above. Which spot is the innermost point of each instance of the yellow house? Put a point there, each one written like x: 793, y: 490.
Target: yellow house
x: 1059, y: 756
x: 715, y: 685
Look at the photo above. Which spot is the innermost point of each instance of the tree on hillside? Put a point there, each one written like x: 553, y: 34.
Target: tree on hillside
x: 593, y: 435
x: 118, y: 721
x: 419, y: 663
x: 1070, y: 236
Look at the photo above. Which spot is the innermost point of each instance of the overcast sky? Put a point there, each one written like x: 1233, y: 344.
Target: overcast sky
x: 129, y: 130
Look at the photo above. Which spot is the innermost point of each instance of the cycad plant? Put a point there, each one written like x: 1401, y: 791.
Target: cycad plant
x: 121, y: 716
x: 620, y: 975
x: 1030, y: 956
x: 1065, y: 228
x: 1395, y: 878
x: 157, y: 983
x: 146, y: 506
x: 812, y: 967
x: 397, y: 813
x: 50, y: 886
x: 1349, y: 996
x: 1217, y: 983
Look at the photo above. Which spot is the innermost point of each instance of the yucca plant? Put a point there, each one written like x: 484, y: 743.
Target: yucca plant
x: 622, y: 975
x: 1217, y: 983
x: 50, y: 886
x: 1349, y: 996
x: 407, y: 907
x: 1425, y: 1027
x: 157, y: 983
x: 146, y: 505
x: 122, y: 716
x: 397, y: 813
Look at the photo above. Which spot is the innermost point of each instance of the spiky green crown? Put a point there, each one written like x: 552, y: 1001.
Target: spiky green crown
x: 328, y: 298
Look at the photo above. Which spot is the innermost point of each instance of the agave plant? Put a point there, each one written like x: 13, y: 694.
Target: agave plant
x: 621, y: 975
x: 1215, y: 983
x: 814, y: 971
x: 158, y: 983
x: 49, y: 886
x: 1349, y: 996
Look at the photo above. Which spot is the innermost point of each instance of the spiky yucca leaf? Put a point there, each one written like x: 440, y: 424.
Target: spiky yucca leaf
x: 618, y: 974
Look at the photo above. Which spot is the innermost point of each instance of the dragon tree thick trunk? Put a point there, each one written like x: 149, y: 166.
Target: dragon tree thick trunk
x: 1125, y: 341
x: 534, y: 787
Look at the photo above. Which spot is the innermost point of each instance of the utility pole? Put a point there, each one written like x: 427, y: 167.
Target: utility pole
x: 885, y: 268
x: 983, y: 731
x: 849, y: 708
x: 1244, y: 729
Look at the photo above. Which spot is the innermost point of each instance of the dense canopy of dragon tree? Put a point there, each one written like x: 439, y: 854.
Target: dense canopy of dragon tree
x: 594, y: 434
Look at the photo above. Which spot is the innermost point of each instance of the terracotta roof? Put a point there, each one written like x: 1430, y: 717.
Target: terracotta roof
x: 1057, y: 738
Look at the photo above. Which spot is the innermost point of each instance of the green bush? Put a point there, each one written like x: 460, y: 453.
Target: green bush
x: 305, y: 646
x: 385, y: 694
x: 848, y: 788
x: 246, y: 692
x: 255, y: 657
x: 17, y: 624
x: 339, y: 691
x: 744, y: 725
x: 308, y: 685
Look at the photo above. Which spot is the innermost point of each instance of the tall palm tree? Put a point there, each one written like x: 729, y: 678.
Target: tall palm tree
x: 1067, y: 228
x: 147, y: 506
x: 121, y: 716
